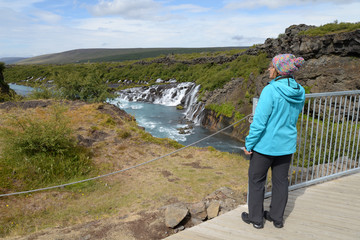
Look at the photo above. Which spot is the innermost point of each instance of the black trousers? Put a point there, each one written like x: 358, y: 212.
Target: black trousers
x: 259, y: 165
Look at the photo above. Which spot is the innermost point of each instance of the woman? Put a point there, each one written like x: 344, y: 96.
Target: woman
x: 272, y: 140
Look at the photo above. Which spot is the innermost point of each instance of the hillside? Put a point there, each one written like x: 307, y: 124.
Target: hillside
x: 11, y: 60
x: 113, y: 55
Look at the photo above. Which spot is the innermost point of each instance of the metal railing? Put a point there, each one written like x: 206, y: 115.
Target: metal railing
x: 328, y: 139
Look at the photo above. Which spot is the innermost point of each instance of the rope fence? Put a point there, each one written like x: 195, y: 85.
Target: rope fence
x: 129, y: 168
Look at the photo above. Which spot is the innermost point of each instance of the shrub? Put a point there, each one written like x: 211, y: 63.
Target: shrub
x: 124, y: 134
x: 43, y: 92
x: 89, y: 87
x: 37, y: 151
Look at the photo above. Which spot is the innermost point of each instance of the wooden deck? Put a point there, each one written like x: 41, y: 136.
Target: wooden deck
x: 329, y: 210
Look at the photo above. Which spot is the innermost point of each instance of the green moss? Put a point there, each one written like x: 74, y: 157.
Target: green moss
x: 212, y: 149
x: 307, y: 89
x: 225, y: 109
x: 238, y: 116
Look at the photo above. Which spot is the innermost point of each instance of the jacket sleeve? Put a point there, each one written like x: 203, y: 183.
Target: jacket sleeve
x: 262, y: 114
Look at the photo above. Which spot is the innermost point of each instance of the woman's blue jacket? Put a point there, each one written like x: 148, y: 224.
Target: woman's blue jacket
x: 273, y: 130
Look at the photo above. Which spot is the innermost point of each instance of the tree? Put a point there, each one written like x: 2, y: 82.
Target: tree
x: 4, y: 87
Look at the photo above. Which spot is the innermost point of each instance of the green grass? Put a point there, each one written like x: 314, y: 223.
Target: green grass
x: 40, y: 150
x: 332, y: 28
x: 225, y: 109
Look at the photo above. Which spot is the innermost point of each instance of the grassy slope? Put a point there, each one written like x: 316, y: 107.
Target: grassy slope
x: 113, y: 55
x: 187, y: 176
x: 332, y: 28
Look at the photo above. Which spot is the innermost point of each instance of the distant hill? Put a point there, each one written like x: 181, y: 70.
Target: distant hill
x: 113, y: 55
x: 11, y: 60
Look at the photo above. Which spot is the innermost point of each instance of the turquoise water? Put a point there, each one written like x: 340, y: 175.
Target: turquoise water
x: 164, y: 121
x: 20, y: 89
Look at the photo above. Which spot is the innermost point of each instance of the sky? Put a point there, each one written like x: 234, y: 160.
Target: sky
x: 35, y: 27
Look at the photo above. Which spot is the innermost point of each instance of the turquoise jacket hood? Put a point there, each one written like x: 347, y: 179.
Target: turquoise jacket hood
x: 289, y: 89
x: 273, y: 130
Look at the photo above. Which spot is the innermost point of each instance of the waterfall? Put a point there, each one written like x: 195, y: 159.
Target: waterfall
x: 195, y: 112
x: 172, y: 94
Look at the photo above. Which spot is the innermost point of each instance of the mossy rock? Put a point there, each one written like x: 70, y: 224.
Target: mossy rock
x: 179, y: 107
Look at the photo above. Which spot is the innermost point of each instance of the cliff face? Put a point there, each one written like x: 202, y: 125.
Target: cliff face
x: 324, y: 74
x: 332, y: 64
x: 341, y: 44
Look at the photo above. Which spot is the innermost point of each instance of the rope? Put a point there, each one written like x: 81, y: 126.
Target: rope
x: 126, y: 169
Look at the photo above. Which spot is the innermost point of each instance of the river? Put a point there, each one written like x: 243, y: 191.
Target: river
x: 21, y: 89
x: 164, y: 122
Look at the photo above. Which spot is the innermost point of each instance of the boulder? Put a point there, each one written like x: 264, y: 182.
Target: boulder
x: 198, y: 210
x: 213, y: 209
x: 174, y: 214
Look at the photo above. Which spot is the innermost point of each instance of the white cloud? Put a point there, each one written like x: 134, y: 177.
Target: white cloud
x: 330, y: 1
x: 46, y: 16
x: 189, y: 8
x: 18, y: 4
x: 143, y: 9
x: 252, y: 4
x: 127, y: 9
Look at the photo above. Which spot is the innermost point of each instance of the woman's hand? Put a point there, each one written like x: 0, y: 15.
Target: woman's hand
x: 247, y: 152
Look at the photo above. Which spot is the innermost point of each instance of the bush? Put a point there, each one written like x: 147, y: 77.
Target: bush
x: 124, y: 134
x: 37, y: 151
x: 89, y: 87
x: 43, y: 92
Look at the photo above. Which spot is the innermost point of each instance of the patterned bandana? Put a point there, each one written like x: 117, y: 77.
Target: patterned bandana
x: 287, y: 64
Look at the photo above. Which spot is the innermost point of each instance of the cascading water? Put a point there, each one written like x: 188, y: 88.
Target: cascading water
x: 173, y: 94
